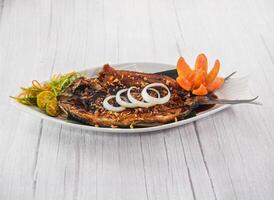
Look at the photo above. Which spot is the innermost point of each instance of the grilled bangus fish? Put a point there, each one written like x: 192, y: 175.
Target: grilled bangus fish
x: 83, y: 99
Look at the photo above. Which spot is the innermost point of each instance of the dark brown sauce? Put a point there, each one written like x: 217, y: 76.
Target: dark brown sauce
x: 203, y: 108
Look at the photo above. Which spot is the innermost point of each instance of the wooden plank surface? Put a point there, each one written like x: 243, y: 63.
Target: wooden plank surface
x: 226, y: 156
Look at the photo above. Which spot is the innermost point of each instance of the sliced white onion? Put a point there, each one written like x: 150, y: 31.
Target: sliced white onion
x: 137, y: 102
x: 159, y: 100
x: 148, y: 101
x: 122, y: 102
x: 157, y: 92
x: 111, y: 107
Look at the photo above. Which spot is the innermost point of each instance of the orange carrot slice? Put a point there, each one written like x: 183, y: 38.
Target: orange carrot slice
x: 199, y: 78
x: 213, y: 73
x: 183, y: 68
x: 216, y: 84
x: 184, y: 83
x: 200, y: 91
x: 191, y: 76
x: 201, y: 62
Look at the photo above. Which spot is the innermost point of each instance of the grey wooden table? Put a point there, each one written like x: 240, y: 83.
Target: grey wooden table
x: 226, y: 156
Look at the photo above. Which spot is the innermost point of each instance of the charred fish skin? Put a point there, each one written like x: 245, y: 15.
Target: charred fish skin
x: 83, y: 99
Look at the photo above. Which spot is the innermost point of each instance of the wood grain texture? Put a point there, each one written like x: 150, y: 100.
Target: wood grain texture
x: 226, y: 156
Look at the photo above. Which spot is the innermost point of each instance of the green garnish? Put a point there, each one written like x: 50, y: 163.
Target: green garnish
x: 55, y: 86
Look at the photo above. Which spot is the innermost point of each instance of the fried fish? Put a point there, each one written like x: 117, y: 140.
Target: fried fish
x: 83, y: 99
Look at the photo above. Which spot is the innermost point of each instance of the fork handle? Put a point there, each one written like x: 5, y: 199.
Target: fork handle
x: 227, y: 101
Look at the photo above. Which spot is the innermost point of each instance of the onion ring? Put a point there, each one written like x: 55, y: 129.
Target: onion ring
x: 107, y: 106
x: 137, y: 102
x: 157, y: 92
x: 159, y: 100
x: 122, y: 102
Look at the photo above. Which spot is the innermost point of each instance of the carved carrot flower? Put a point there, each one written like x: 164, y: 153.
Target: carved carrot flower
x: 198, y: 80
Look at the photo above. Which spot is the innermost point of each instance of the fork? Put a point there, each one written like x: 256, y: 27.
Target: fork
x: 208, y: 100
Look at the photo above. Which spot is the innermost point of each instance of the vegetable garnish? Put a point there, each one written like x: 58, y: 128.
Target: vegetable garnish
x: 111, y: 107
x: 148, y: 100
x: 138, y: 103
x: 199, y: 81
x: 158, y: 100
x: 129, y: 104
x: 121, y: 102
x: 44, y: 95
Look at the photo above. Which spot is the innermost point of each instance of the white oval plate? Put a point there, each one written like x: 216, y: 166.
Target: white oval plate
x: 144, y: 67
